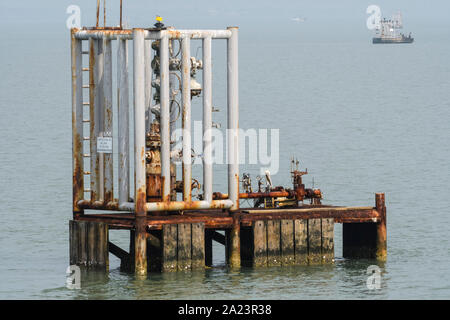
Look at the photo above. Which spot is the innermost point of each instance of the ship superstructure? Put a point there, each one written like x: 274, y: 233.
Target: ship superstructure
x: 388, y: 31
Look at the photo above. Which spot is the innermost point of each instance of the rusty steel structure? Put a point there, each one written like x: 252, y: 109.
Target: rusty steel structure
x: 149, y: 208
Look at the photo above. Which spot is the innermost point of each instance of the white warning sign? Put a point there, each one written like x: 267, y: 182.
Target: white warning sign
x: 104, y: 145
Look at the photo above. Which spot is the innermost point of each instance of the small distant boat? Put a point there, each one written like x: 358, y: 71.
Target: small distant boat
x: 388, y: 31
x: 298, y: 19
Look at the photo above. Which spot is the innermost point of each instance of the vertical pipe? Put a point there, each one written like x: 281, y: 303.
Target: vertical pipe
x: 148, y: 84
x: 139, y: 152
x: 123, y: 118
x: 381, y: 251
x: 121, y: 14
x: 98, y: 11
x: 77, y: 122
x: 101, y: 177
x: 233, y: 117
x: 96, y: 111
x: 174, y: 83
x: 174, y: 87
x: 207, y: 120
x: 186, y: 123
x: 139, y: 120
x: 108, y: 123
x: 165, y: 118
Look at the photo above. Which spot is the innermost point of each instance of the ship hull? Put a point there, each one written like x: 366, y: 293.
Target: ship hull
x: 383, y: 40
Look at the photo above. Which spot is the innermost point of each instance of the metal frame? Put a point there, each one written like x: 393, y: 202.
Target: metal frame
x: 100, y: 93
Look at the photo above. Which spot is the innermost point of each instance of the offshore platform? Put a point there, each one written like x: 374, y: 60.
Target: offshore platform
x: 141, y: 194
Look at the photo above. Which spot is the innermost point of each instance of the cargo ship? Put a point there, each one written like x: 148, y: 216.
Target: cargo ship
x: 388, y: 31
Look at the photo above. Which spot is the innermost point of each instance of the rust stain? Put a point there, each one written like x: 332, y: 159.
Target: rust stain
x: 109, y: 115
x: 174, y: 34
x: 78, y: 178
x: 140, y: 201
x: 153, y: 187
x: 108, y: 196
x: 143, y: 156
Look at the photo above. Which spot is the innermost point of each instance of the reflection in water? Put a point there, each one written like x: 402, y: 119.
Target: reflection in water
x: 342, y: 279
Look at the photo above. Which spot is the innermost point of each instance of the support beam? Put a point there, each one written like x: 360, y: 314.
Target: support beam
x: 118, y: 252
x: 74, y: 240
x: 381, y: 253
x: 301, y: 241
x: 327, y: 240
x: 130, y: 267
x: 169, y: 247
x: 198, y: 245
x: 259, y: 244
x: 155, y: 251
x: 273, y: 243
x: 91, y: 244
x: 88, y: 242
x: 220, y: 238
x: 209, y: 247
x: 82, y: 227
x: 314, y: 241
x: 184, y: 247
x: 287, y: 242
x: 234, y: 243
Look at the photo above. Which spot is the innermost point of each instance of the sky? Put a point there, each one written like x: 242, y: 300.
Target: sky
x: 321, y: 16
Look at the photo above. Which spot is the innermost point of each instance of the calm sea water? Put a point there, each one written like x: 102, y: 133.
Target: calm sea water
x: 361, y: 118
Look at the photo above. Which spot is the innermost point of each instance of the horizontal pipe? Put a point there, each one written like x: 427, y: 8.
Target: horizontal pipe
x: 272, y: 194
x: 334, y: 209
x: 151, y: 35
x: 103, y: 34
x: 181, y: 205
x: 157, y: 206
x: 98, y: 205
x: 197, y: 34
x: 253, y: 195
